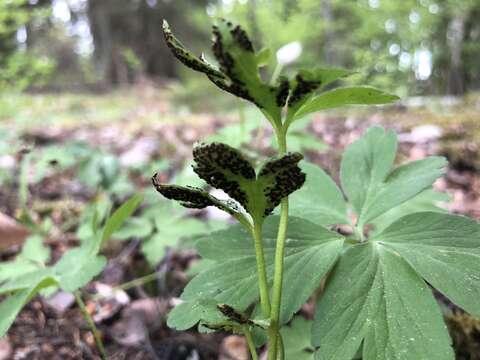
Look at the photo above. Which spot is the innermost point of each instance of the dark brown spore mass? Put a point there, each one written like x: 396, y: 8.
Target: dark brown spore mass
x: 232, y: 314
x: 227, y: 64
x: 213, y: 160
x: 241, y: 37
x: 282, y: 92
x: 281, y: 164
x: 189, y: 197
x: 186, y: 58
x: 302, y: 88
x: 288, y: 178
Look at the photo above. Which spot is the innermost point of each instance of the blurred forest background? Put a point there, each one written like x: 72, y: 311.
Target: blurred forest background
x: 410, y: 47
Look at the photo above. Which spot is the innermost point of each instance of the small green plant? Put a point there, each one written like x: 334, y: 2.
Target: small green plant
x: 376, y: 303
x: 158, y: 233
x: 26, y: 276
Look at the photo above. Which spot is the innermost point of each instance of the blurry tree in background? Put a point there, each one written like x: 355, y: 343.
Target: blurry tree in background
x: 19, y: 66
x: 127, y: 36
x: 410, y: 46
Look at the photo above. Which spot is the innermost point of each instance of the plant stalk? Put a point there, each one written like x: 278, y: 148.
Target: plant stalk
x: 261, y: 268
x: 273, y: 331
x: 250, y: 342
x: 276, y: 73
x: 277, y: 281
x: 130, y: 284
x: 91, y: 324
x: 280, y: 347
x: 358, y: 232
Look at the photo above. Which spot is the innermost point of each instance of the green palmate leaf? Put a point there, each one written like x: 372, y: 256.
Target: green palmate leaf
x: 75, y: 269
x: 33, y: 256
x: 319, y: 199
x: 296, y: 338
x: 78, y: 267
x: 304, y: 86
x: 23, y: 289
x: 225, y: 168
x: 444, y: 249
x: 10, y: 308
x: 92, y: 218
x: 34, y: 250
x: 369, y: 182
x: 188, y: 313
x: 28, y: 280
x: 116, y: 220
x: 428, y: 200
x: 360, y: 95
x: 301, y: 141
x: 170, y: 230
x: 200, y: 266
x: 19, y: 266
x: 135, y: 227
x: 310, y: 252
x: 374, y: 296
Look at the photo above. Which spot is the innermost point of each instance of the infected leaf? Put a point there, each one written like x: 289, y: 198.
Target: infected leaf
x: 239, y: 66
x: 225, y: 168
x: 187, y: 58
x: 196, y: 198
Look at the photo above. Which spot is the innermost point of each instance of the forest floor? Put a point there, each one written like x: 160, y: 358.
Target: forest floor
x: 63, y: 156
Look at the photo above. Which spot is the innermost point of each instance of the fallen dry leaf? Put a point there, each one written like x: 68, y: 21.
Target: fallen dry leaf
x: 11, y: 232
x: 5, y: 348
x: 235, y: 347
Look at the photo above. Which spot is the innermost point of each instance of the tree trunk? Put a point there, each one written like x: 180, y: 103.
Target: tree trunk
x: 330, y: 55
x: 100, y: 27
x: 455, y: 37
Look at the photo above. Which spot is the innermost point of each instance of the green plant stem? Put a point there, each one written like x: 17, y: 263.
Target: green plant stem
x: 276, y: 73
x: 281, y: 140
x: 280, y: 347
x: 251, y: 344
x: 23, y: 183
x: 261, y: 268
x: 130, y: 284
x: 277, y: 281
x: 358, y: 231
x: 91, y: 324
x: 273, y: 331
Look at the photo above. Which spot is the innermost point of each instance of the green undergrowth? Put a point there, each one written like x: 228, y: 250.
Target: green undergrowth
x: 130, y: 106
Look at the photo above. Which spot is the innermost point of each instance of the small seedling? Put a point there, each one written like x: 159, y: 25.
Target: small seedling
x: 376, y: 302
x: 28, y: 274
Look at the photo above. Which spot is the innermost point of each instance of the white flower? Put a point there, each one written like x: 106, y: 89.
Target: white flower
x: 289, y: 53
